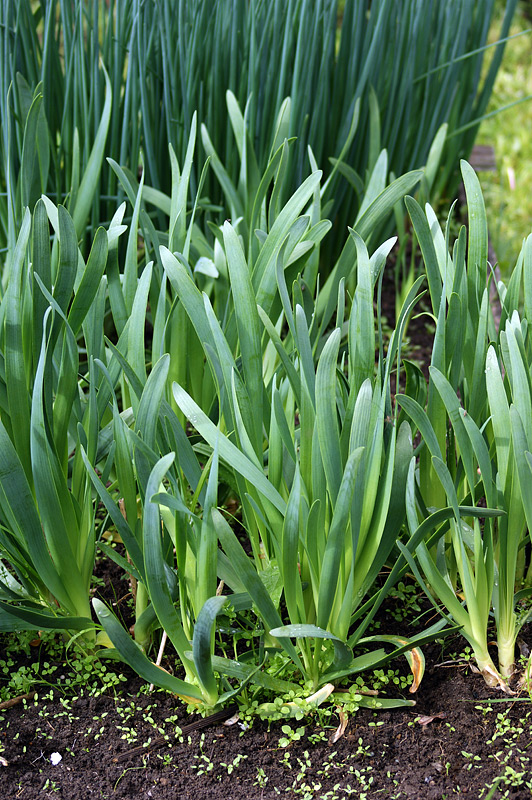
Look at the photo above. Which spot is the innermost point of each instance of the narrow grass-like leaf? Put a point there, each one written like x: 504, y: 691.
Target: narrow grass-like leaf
x: 477, y: 253
x: 92, y: 170
x: 135, y: 349
x: 150, y: 401
x: 426, y: 243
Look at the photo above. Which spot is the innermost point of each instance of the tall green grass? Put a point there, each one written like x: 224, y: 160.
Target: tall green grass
x: 166, y: 60
x: 508, y: 189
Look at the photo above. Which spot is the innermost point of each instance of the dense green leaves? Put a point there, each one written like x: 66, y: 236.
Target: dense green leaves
x: 80, y: 82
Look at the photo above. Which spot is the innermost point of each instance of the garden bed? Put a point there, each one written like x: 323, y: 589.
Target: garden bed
x: 459, y: 739
x: 238, y: 384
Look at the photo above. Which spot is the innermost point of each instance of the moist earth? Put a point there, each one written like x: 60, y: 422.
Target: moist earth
x: 450, y: 744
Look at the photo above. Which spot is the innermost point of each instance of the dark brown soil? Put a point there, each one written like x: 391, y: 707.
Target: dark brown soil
x: 467, y: 747
x: 106, y: 737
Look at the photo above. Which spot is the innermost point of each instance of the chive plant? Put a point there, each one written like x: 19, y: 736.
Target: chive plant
x: 300, y: 65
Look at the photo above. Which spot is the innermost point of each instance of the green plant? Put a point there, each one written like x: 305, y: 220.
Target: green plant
x: 261, y: 779
x: 294, y: 231
x: 294, y: 547
x: 239, y: 381
x: 54, y: 92
x: 290, y: 735
x: 506, y: 189
x: 233, y: 765
x: 51, y: 332
x: 63, y: 670
x: 482, y: 454
x: 295, y: 430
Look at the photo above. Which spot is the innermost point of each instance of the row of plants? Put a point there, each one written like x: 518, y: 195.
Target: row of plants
x: 345, y: 79
x: 219, y: 394
x: 254, y: 387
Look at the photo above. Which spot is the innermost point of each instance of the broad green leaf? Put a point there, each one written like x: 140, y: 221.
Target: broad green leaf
x: 477, y: 252
x: 243, y: 672
x: 342, y: 653
x: 424, y: 237
x: 131, y: 653
x: 202, y: 648
x: 17, y: 389
x: 290, y: 549
x: 228, y: 451
x: 326, y: 415
x: 154, y: 562
x: 330, y: 573
x: 500, y: 413
x: 18, y: 618
x: 90, y: 281
x: 248, y: 326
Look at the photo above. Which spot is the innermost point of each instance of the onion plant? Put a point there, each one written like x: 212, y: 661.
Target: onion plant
x: 304, y: 64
